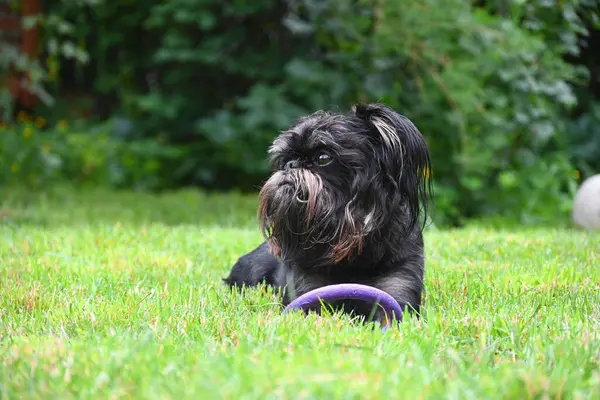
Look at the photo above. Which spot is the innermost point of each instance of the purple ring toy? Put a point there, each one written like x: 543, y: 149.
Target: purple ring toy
x: 349, y: 291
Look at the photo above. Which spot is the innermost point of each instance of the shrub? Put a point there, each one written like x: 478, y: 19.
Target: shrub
x: 215, y: 81
x: 26, y: 157
x: 35, y: 155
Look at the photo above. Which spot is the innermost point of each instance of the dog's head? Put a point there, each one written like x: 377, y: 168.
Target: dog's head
x: 339, y: 178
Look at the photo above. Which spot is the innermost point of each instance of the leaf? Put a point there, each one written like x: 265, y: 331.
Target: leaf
x: 52, y: 46
x: 508, y: 179
x: 82, y: 56
x: 68, y: 49
x: 64, y: 27
x: 30, y: 21
x: 297, y: 26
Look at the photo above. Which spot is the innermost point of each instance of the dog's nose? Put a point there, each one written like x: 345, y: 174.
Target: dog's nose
x: 293, y: 164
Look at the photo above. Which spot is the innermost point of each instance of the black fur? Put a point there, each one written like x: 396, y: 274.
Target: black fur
x: 349, y: 216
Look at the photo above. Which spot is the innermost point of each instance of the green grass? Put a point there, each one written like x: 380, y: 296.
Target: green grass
x: 119, y: 295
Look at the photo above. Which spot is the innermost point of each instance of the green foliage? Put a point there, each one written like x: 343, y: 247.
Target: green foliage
x: 25, y: 156
x: 490, y: 85
x: 11, y: 57
x: 491, y: 104
x: 584, y: 140
x: 61, y: 40
x: 38, y: 156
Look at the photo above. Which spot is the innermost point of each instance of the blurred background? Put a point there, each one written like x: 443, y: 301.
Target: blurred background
x: 155, y: 95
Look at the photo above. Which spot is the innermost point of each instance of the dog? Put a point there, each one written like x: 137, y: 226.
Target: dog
x: 346, y: 202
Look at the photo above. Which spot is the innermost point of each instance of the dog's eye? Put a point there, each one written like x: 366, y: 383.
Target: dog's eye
x: 323, y: 159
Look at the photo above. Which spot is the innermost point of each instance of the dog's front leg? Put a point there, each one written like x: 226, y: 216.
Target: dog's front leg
x: 256, y: 267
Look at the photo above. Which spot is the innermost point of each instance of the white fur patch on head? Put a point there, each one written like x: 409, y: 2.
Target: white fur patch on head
x: 388, y: 134
x: 276, y: 147
x: 369, y: 221
x: 390, y: 138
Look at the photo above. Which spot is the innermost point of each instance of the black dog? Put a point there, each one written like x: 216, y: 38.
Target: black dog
x: 343, y: 205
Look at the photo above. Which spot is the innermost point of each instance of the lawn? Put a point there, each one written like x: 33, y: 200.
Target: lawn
x: 119, y: 295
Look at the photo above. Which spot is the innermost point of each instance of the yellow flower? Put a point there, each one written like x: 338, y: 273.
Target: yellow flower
x: 22, y: 116
x: 27, y: 131
x: 62, y: 125
x: 14, y: 168
x: 577, y: 174
x: 40, y: 122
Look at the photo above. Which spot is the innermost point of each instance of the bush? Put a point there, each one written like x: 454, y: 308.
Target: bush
x: 584, y: 140
x: 215, y: 81
x: 35, y: 155
x: 25, y: 156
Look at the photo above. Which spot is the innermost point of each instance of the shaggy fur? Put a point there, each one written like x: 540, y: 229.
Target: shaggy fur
x: 346, y: 203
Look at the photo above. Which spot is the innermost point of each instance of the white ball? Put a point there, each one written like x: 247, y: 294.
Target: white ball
x: 586, y: 205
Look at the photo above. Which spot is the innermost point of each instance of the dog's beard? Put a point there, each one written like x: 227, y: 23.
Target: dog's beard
x: 298, y: 212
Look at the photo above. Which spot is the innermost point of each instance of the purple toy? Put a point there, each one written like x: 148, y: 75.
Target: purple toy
x: 349, y: 291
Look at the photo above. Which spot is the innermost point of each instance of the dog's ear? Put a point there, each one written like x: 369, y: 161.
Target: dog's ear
x: 404, y: 154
